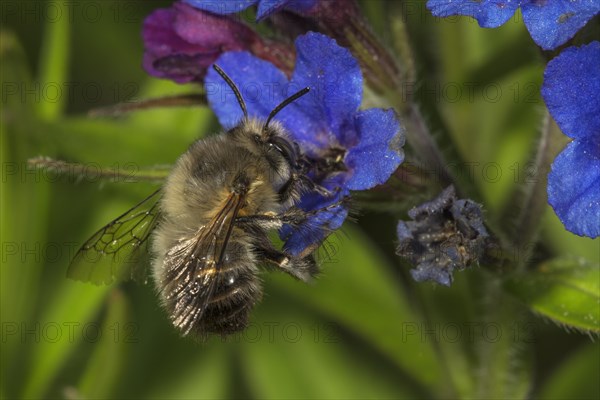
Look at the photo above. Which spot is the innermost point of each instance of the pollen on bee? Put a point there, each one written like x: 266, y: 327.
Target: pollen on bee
x: 206, y: 272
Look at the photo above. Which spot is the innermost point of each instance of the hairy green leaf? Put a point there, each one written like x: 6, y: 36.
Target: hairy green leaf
x: 565, y: 290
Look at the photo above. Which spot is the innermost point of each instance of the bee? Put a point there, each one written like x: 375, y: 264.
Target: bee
x: 209, y: 226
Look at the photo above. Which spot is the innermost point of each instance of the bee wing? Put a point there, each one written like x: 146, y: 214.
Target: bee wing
x: 113, y: 251
x: 193, y: 266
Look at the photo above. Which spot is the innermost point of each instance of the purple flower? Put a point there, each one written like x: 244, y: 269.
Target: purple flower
x: 550, y: 22
x: 571, y: 91
x: 265, y: 7
x: 445, y: 234
x: 181, y: 42
x: 348, y: 149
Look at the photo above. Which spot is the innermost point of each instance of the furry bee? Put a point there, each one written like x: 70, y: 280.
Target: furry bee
x: 209, y: 226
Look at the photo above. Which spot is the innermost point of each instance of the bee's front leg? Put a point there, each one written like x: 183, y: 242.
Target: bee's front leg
x: 293, y: 216
x: 300, y: 183
x: 271, y: 220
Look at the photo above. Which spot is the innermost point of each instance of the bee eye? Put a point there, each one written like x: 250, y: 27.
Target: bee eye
x: 285, y: 148
x: 257, y: 138
x: 274, y: 146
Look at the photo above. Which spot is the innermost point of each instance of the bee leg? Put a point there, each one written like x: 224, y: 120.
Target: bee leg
x: 299, y: 183
x: 308, y: 183
x: 294, y: 216
x: 269, y: 221
x: 290, y: 191
x: 302, y: 268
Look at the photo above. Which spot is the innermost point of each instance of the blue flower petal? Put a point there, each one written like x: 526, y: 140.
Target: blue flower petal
x: 268, y: 7
x: 571, y: 90
x: 315, y: 231
x: 552, y: 23
x: 429, y: 272
x: 335, y: 80
x: 378, y: 152
x: 574, y: 187
x: 317, y: 227
x: 223, y: 6
x: 261, y: 84
x: 488, y: 13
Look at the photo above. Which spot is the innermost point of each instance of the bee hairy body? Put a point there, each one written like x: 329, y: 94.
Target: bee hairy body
x: 234, y: 174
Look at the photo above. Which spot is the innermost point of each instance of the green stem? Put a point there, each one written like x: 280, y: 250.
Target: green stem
x: 155, y: 174
x: 389, y: 78
x: 181, y: 100
x: 503, y: 350
x: 421, y: 140
x: 403, y: 48
x: 533, y: 198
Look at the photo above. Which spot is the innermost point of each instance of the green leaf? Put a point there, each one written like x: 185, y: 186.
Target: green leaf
x: 576, y: 377
x: 200, y: 372
x: 105, y: 364
x: 68, y: 314
x: 566, y: 290
x: 54, y: 60
x: 118, y: 144
x: 24, y: 212
x: 357, y: 290
x: 316, y: 360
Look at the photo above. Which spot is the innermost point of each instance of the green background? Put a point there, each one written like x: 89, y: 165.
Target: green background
x: 364, y: 329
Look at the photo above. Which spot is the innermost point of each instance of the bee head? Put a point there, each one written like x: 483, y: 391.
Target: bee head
x: 268, y: 141
x: 270, y: 138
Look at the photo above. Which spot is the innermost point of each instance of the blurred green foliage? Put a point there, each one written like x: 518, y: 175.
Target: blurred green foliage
x: 364, y: 329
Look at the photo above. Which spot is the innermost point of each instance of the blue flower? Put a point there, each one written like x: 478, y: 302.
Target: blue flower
x: 571, y: 91
x: 265, y: 7
x: 361, y: 148
x: 445, y: 234
x: 550, y: 23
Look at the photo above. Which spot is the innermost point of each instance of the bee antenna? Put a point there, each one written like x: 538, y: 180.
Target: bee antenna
x: 233, y: 87
x: 286, y: 102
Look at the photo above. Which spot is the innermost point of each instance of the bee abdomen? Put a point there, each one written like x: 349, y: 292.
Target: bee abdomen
x: 238, y: 290
x: 216, y: 298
